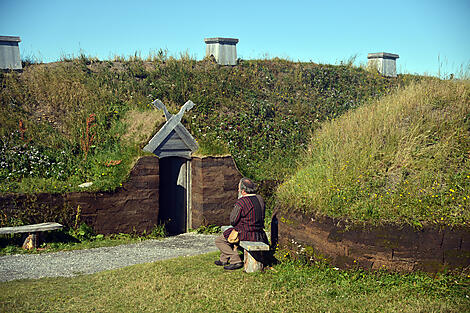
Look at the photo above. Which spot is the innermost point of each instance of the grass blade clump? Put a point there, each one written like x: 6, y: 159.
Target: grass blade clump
x: 403, y: 159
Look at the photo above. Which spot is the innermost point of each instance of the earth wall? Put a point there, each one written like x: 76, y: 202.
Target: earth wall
x: 392, y: 247
x: 130, y: 208
x: 214, y: 190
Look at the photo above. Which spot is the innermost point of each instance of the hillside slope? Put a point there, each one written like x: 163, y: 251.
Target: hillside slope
x: 403, y: 159
x: 81, y: 120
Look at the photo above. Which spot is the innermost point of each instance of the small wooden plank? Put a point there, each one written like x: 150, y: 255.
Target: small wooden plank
x: 173, y: 144
x: 178, y: 153
x: 254, y: 246
x: 30, y: 228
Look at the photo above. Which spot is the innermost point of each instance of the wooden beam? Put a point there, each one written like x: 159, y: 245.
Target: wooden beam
x: 178, y: 153
x: 172, y: 125
x: 173, y: 144
x: 30, y: 228
x: 254, y: 258
x: 159, y: 105
x: 254, y: 246
x: 186, y: 137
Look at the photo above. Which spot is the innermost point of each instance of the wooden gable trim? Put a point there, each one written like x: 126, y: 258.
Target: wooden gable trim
x: 172, y: 132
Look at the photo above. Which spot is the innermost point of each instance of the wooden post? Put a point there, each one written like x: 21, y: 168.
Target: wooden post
x: 254, y: 255
x: 253, y: 261
x: 31, y: 242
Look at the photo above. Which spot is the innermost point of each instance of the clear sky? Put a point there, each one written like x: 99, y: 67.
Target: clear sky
x: 429, y: 36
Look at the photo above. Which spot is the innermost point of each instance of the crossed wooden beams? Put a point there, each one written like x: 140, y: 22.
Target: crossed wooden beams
x: 165, y: 135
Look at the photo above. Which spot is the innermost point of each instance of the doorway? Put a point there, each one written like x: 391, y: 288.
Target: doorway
x: 175, y: 194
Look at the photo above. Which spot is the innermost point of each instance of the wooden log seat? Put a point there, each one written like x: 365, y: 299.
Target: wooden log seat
x: 31, y: 241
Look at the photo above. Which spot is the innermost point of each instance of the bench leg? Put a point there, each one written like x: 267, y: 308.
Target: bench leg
x: 31, y: 242
x: 254, y: 261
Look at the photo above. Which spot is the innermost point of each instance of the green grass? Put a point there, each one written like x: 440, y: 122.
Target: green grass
x: 407, y: 166
x: 402, y: 159
x: 194, y: 284
x: 49, y: 141
x: 261, y: 112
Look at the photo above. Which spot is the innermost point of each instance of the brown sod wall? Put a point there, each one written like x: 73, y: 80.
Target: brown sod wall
x: 392, y: 247
x: 131, y: 208
x: 214, y: 190
x: 135, y: 206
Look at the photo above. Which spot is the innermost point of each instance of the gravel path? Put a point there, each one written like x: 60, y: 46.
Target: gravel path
x: 78, y: 262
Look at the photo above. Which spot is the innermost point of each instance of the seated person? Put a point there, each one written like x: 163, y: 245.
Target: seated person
x: 247, y: 218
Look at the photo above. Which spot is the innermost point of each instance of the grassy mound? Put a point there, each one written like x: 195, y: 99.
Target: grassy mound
x: 85, y: 120
x: 403, y: 159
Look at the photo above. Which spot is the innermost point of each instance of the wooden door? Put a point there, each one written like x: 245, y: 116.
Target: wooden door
x: 174, y: 194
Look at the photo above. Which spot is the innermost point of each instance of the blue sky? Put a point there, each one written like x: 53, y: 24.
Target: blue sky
x: 430, y: 36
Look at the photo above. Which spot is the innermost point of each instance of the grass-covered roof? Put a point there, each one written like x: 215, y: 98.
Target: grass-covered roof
x: 66, y: 123
x: 402, y: 159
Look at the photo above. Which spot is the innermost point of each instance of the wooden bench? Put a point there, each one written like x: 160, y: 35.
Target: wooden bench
x: 254, y: 253
x: 254, y: 256
x: 31, y: 241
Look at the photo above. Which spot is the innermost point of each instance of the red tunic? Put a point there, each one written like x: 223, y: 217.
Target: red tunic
x: 248, y: 219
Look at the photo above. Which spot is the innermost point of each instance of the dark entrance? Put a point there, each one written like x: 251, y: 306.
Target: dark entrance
x: 174, y: 185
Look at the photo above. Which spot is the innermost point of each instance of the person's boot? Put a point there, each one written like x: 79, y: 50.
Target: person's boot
x: 234, y: 266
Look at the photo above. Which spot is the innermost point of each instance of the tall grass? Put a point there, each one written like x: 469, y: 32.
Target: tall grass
x: 45, y: 120
x: 402, y: 159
